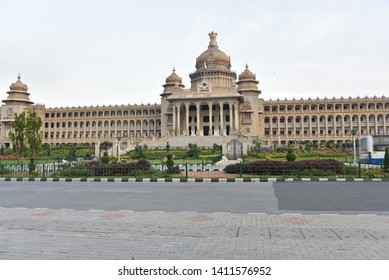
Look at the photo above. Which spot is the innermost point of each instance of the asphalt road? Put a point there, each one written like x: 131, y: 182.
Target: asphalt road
x: 305, y: 197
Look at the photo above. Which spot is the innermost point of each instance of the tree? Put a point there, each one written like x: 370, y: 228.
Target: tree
x: 167, y: 147
x: 290, y: 156
x: 17, y: 134
x: 33, y: 133
x: 105, y: 146
x: 72, y: 153
x: 193, y: 151
x: 386, y: 160
x: 138, y: 152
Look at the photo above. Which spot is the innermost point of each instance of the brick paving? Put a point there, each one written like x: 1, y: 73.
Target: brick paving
x: 69, y: 234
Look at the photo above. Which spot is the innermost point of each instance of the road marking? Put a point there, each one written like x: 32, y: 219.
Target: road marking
x: 41, y: 208
x: 96, y: 210
x: 291, y: 214
x: 157, y: 211
x: 367, y: 215
x: 329, y: 214
x: 256, y: 213
x: 126, y: 211
x: 67, y: 209
x: 189, y: 212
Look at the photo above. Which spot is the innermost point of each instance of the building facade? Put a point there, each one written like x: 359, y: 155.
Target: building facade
x: 218, y: 103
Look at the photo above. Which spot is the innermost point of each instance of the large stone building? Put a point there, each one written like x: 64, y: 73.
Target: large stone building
x: 216, y: 106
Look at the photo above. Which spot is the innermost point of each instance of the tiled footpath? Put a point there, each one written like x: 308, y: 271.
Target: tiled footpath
x: 94, y: 234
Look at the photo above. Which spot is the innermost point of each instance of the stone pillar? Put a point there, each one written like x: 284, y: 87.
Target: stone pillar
x: 187, y: 119
x: 221, y: 120
x: 231, y: 119
x: 115, y: 148
x: 237, y: 126
x: 210, y: 119
x: 199, y: 131
x: 178, y: 121
x: 97, y: 149
x: 174, y: 120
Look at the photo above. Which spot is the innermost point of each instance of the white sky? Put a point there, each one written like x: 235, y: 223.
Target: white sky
x: 95, y: 52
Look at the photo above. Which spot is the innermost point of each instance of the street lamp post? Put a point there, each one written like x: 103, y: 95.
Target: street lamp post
x: 353, y: 132
x: 119, y: 138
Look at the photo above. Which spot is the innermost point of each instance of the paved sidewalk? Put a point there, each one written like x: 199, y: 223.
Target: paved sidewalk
x: 69, y: 234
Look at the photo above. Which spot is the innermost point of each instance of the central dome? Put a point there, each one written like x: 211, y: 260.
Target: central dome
x: 213, y: 57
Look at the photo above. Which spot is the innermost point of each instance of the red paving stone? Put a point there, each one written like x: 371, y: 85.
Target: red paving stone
x: 200, y: 218
x: 112, y: 216
x: 297, y: 221
x: 43, y: 214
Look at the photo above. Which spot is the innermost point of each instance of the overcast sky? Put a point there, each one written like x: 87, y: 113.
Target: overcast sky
x: 94, y: 52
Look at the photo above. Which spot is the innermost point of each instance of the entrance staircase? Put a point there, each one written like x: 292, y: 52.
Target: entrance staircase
x: 184, y: 141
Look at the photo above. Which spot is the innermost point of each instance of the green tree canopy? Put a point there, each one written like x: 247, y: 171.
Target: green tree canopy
x: 17, y: 133
x: 26, y: 132
x: 33, y: 133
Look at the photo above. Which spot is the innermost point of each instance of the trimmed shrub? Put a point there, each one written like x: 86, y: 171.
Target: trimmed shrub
x: 105, y: 158
x: 169, y: 161
x: 272, y: 167
x: 290, y: 156
x: 96, y: 168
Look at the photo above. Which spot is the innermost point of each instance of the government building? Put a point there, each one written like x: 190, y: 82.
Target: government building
x: 219, y: 107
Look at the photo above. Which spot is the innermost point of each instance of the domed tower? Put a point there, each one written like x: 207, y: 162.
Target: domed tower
x: 173, y: 85
x: 213, y: 70
x: 17, y: 101
x: 247, y: 87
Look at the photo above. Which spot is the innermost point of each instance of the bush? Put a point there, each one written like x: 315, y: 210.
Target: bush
x: 105, y: 158
x: 138, y: 152
x: 174, y: 170
x: 193, y: 151
x: 290, y: 156
x: 169, y: 161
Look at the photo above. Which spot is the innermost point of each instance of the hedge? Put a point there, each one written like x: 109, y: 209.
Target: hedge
x: 272, y: 167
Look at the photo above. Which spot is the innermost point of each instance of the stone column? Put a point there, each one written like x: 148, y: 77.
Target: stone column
x: 178, y: 121
x: 221, y: 120
x: 237, y: 126
x: 187, y: 119
x: 199, y: 132
x: 231, y: 119
x: 97, y: 149
x: 174, y: 120
x: 210, y: 119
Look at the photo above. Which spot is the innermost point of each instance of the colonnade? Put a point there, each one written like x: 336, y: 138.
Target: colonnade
x: 205, y: 118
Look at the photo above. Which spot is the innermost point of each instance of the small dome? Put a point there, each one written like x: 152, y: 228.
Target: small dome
x: 213, y: 56
x: 173, y: 78
x: 18, y: 86
x: 247, y: 75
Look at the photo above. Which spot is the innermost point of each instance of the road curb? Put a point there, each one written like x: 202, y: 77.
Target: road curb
x: 192, y: 180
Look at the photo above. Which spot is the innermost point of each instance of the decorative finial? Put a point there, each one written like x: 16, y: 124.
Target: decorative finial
x: 19, y: 77
x: 212, y: 39
x: 247, y: 66
x: 174, y: 70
